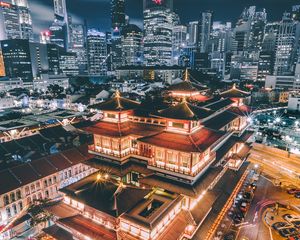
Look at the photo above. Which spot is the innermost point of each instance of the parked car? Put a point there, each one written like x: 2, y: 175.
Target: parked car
x: 290, y: 218
x: 297, y: 195
x: 296, y: 223
x: 293, y: 191
x: 287, y: 232
x: 279, y: 225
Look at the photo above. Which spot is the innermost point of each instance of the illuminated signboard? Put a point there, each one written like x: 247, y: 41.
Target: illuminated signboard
x: 158, y: 2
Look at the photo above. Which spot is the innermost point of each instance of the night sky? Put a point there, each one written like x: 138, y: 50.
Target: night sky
x: 97, y: 12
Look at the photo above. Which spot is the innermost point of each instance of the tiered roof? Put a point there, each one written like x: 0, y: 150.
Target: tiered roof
x: 186, y: 85
x: 117, y: 103
x: 124, y: 129
x: 234, y: 92
x: 195, y: 142
x: 185, y: 111
x: 105, y: 195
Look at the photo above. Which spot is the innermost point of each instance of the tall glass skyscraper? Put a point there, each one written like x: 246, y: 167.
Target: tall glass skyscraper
x: 159, y: 20
x: 97, y: 53
x: 118, y: 18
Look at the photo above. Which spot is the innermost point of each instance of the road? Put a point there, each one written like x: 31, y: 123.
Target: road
x: 276, y: 165
x: 276, y: 168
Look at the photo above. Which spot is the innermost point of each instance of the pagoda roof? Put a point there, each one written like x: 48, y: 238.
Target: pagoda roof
x: 117, y: 103
x: 234, y: 92
x: 105, y: 195
x: 220, y: 120
x: 186, y: 85
x: 220, y: 104
x: 112, y: 129
x: 195, y: 142
x: 185, y: 111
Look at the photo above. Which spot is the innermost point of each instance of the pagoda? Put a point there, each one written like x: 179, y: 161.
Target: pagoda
x: 187, y: 89
x: 238, y: 96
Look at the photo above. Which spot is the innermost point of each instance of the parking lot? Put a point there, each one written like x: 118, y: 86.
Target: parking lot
x: 283, y: 222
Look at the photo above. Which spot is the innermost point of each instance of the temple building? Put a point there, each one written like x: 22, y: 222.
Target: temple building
x: 186, y: 89
x: 238, y: 96
x: 156, y: 175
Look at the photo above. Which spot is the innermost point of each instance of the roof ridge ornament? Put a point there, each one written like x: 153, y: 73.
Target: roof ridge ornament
x: 186, y: 75
x: 117, y: 93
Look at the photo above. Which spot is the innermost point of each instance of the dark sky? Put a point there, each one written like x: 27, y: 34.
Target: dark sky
x: 97, y: 12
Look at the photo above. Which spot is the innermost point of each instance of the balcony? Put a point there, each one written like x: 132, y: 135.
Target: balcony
x: 183, y: 172
x: 123, y: 154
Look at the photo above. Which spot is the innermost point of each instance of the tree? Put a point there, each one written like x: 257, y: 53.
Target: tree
x: 37, y: 211
x: 55, y: 90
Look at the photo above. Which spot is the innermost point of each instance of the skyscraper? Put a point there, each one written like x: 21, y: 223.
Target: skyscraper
x: 24, y: 19
x: 97, y: 53
x: 77, y: 45
x: 158, y: 26
x: 61, y: 21
x: 58, y: 33
x: 286, y: 46
x: 9, y: 21
x: 132, y: 38
x: 17, y: 59
x: 60, y: 10
x: 257, y: 30
x: 205, y: 25
x: 179, y: 42
x: 193, y: 33
x: 118, y: 18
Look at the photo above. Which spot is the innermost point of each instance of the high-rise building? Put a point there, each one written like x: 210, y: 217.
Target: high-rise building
x: 179, y: 42
x: 9, y: 21
x: 53, y: 58
x: 97, y: 53
x: 205, y: 25
x: 58, y: 33
x: 193, y: 33
x: 61, y: 22
x: 269, y: 41
x: 132, y: 45
x: 39, y: 58
x: 77, y: 45
x: 60, y: 10
x: 257, y: 30
x: 116, y: 49
x: 286, y: 46
x: 221, y: 37
x: 118, y: 18
x: 24, y: 19
x: 68, y: 63
x: 265, y: 65
x: 17, y: 59
x: 158, y: 25
x: 241, y: 35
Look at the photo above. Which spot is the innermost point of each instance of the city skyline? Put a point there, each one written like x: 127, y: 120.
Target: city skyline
x: 42, y: 11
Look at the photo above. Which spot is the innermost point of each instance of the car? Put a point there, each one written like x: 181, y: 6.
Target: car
x: 290, y: 218
x: 253, y: 185
x: 293, y: 191
x: 229, y: 236
x: 287, y: 232
x: 297, y: 195
x: 244, y: 206
x: 279, y: 225
x: 296, y: 223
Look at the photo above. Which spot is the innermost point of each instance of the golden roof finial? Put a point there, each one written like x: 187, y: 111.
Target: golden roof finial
x: 234, y: 86
x: 186, y: 75
x: 117, y: 94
